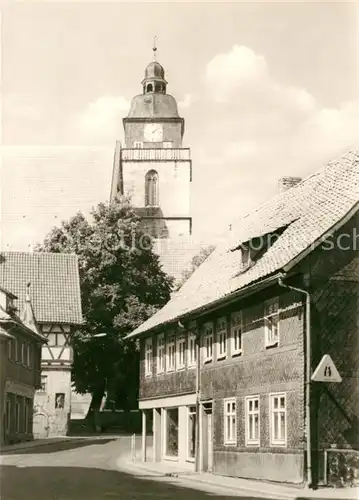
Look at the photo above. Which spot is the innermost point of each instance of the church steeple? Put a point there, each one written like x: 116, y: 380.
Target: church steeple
x: 154, y: 80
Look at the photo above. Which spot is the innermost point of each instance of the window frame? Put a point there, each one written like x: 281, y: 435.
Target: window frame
x: 226, y: 441
x: 268, y: 315
x: 248, y: 413
x: 234, y: 326
x: 161, y: 347
x: 148, y: 357
x: 191, y: 360
x: 278, y: 443
x: 180, y: 341
x: 206, y: 344
x: 222, y: 333
x: 171, y: 343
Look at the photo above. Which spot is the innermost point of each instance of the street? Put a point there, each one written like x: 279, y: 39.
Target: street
x: 83, y: 470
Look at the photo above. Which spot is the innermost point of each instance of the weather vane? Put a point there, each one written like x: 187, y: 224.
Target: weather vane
x: 154, y: 47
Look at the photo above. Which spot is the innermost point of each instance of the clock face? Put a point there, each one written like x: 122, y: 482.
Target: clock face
x: 153, y: 132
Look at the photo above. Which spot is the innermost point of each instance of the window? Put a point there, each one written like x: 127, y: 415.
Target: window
x: 192, y: 358
x: 208, y: 343
x: 149, y: 87
x: 29, y: 355
x: 17, y: 349
x: 8, y: 414
x: 26, y: 416
x: 236, y: 333
x: 170, y: 353
x: 138, y: 144
x: 148, y: 357
x: 222, y: 338
x: 191, y: 433
x: 171, y: 435
x: 278, y: 418
x: 151, y: 189
x: 160, y: 353
x: 271, y: 323
x: 252, y: 421
x: 181, y: 349
x: 18, y: 414
x: 43, y: 383
x: 10, y: 349
x: 245, y: 256
x: 230, y: 421
x: 59, y: 400
x: 23, y: 357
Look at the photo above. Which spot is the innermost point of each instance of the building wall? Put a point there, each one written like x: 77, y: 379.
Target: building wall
x: 259, y: 371
x: 174, y: 184
x: 20, y: 375
x: 173, y: 383
x: 50, y: 420
x: 45, y: 411
x: 333, y: 274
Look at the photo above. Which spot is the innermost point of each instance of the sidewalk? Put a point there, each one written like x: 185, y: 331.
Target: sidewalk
x: 230, y: 485
x: 35, y: 443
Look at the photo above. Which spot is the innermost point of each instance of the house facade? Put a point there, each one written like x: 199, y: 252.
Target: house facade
x: 226, y: 365
x: 20, y: 370
x: 56, y: 301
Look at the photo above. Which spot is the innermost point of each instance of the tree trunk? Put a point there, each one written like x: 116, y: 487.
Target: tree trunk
x: 94, y: 407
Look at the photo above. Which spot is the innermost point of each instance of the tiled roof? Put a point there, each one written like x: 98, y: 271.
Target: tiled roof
x: 307, y: 212
x: 55, y: 285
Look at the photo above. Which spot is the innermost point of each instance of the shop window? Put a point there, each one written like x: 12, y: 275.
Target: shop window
x: 172, y: 432
x: 191, y: 433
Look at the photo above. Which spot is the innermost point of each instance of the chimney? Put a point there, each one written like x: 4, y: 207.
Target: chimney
x: 286, y: 183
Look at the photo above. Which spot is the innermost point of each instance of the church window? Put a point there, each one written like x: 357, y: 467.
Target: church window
x: 151, y: 188
x: 149, y: 87
x: 158, y: 87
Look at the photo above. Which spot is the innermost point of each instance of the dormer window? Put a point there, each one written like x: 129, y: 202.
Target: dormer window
x: 246, y: 256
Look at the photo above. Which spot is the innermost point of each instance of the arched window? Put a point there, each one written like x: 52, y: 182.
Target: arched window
x: 151, y: 188
x: 149, y: 87
x: 158, y: 87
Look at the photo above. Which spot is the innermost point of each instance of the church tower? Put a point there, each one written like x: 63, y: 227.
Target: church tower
x: 153, y: 167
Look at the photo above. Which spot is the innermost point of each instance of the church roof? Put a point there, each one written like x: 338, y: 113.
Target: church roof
x: 301, y: 216
x: 154, y: 70
x: 153, y: 105
x: 55, y: 284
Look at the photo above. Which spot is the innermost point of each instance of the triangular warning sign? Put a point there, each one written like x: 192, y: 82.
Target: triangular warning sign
x: 326, y: 371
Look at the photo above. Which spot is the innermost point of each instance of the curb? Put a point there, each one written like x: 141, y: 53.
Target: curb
x: 187, y: 477
x: 34, y: 444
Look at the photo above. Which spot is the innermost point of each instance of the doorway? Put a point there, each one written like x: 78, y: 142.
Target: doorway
x: 207, y: 437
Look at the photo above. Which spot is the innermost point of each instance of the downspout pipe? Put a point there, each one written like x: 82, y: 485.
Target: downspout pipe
x: 198, y: 375
x: 307, y: 377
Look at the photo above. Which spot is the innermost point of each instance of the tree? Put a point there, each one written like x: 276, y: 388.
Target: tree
x: 196, y: 261
x: 122, y: 284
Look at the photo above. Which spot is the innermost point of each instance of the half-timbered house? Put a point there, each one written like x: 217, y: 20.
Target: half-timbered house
x: 55, y: 297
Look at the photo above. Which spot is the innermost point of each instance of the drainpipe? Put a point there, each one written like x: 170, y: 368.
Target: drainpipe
x: 198, y: 374
x: 307, y: 377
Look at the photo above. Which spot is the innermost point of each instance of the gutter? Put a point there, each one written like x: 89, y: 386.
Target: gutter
x: 307, y: 377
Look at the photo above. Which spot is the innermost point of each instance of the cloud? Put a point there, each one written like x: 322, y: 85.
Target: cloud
x: 187, y: 101
x: 252, y: 129
x: 101, y: 119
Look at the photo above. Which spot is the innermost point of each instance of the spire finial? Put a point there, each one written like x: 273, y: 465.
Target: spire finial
x: 154, y: 48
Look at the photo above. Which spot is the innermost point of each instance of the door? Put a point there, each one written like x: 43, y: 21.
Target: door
x: 207, y: 436
x: 209, y: 442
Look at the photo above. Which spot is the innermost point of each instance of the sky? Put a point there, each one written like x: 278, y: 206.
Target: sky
x: 266, y: 90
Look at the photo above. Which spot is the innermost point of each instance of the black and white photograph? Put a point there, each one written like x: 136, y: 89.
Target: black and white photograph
x: 179, y: 250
